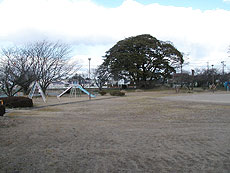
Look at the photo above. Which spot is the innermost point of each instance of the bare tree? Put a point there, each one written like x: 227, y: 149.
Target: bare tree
x: 22, y: 66
x: 52, y: 62
x: 7, y: 82
x: 19, y: 67
x: 79, y: 78
x: 41, y: 61
x: 204, y: 77
x: 180, y: 66
x: 101, y: 76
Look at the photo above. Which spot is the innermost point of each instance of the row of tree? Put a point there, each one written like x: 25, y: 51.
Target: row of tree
x: 41, y: 61
x: 143, y: 60
x: 202, y: 78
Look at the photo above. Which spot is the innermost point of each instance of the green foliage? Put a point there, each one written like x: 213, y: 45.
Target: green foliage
x: 15, y: 102
x: 117, y: 93
x: 102, y: 93
x: 142, y: 59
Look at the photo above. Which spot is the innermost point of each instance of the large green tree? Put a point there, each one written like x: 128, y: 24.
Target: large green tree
x: 143, y: 59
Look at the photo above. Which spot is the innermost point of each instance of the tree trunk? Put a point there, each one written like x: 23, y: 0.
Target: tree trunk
x: 26, y: 90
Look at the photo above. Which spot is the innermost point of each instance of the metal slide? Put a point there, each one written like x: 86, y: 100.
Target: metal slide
x: 64, y: 92
x: 78, y: 86
x: 85, y: 91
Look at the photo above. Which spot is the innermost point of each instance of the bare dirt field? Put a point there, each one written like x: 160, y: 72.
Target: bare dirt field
x: 140, y: 132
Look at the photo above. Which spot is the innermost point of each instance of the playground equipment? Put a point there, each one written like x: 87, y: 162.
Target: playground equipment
x: 37, y: 87
x: 73, y: 91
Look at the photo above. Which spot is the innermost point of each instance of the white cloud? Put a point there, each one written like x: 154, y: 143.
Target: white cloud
x: 93, y: 29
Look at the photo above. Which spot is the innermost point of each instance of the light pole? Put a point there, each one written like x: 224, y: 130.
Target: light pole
x: 89, y: 79
x: 192, y: 79
x: 222, y: 62
x: 212, y: 75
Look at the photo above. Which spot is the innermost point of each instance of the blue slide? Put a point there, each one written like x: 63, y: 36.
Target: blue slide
x: 82, y: 89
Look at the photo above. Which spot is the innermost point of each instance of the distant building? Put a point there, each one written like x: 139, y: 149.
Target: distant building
x: 59, y: 85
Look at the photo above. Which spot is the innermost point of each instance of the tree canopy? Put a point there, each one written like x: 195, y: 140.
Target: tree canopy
x: 142, y: 59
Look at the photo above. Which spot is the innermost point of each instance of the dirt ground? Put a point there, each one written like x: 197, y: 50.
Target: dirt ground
x: 140, y: 132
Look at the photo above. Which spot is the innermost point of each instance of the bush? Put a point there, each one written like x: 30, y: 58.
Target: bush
x: 117, y: 93
x: 102, y: 93
x: 15, y: 102
x: 2, y: 110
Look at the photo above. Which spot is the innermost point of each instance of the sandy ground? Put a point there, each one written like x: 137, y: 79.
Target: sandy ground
x: 140, y: 132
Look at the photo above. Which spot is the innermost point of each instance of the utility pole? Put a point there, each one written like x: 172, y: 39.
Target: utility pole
x: 89, y: 66
x: 207, y: 74
x: 181, y: 71
x: 208, y: 66
x: 192, y: 79
x: 223, y: 65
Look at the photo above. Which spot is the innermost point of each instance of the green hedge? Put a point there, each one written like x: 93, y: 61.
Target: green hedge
x: 117, y: 93
x: 16, y: 102
x: 102, y: 93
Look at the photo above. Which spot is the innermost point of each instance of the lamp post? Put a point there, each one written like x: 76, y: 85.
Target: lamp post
x: 192, y: 79
x: 89, y: 79
x: 212, y: 75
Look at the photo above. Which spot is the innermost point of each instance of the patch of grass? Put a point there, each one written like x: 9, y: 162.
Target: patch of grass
x: 17, y: 113
x: 48, y: 109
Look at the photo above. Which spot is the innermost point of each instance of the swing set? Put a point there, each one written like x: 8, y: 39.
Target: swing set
x: 75, y: 90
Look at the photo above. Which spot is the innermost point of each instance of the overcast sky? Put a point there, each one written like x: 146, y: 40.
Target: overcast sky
x: 198, y: 27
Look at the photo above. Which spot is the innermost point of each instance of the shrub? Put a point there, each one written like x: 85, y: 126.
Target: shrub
x: 102, y: 93
x: 15, y: 102
x: 117, y: 93
x: 2, y: 110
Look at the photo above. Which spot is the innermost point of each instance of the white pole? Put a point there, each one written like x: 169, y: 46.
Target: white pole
x: 89, y: 79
